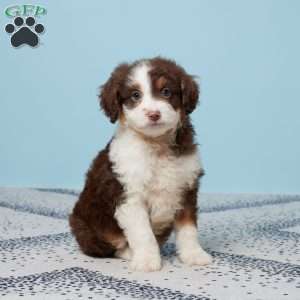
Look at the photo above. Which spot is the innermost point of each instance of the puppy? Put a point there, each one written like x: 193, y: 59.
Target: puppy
x: 144, y: 183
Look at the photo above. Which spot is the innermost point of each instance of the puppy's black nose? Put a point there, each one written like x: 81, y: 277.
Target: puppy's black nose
x: 154, y: 115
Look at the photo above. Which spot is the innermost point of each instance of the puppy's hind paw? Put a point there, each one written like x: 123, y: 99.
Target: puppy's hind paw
x: 124, y: 253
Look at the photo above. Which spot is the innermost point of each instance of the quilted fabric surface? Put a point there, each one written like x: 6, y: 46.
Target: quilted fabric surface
x: 254, y: 239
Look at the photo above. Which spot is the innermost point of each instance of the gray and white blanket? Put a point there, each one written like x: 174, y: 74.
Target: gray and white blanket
x: 254, y: 239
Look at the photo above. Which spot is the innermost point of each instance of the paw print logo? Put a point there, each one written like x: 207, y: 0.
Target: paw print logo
x: 24, y: 32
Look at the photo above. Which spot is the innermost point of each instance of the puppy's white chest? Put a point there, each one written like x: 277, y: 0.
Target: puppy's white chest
x: 142, y: 169
x: 154, y: 179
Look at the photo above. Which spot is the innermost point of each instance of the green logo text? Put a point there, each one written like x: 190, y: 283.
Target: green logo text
x: 25, y: 10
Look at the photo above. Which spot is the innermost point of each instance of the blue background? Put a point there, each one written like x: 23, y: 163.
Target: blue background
x: 246, y: 54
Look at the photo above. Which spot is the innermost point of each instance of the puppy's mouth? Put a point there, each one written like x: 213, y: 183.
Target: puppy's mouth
x: 154, y: 124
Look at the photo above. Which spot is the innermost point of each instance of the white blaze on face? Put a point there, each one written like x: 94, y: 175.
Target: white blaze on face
x: 137, y: 117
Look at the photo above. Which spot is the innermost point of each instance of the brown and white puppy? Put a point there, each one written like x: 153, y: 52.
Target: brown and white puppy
x: 144, y: 183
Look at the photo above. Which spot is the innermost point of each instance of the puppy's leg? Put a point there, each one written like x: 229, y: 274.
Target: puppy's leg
x: 133, y: 218
x: 189, y: 250
x: 188, y: 246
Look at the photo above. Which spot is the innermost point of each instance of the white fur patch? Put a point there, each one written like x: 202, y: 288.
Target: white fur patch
x: 156, y: 181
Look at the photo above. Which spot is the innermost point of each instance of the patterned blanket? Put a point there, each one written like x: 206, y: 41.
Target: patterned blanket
x: 254, y: 239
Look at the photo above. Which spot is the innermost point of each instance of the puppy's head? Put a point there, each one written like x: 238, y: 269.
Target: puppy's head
x: 151, y: 96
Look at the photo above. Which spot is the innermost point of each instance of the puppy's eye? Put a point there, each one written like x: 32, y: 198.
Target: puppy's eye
x: 136, y: 95
x: 165, y: 92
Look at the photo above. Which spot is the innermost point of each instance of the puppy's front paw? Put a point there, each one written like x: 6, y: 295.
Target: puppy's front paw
x: 146, y: 261
x: 195, y: 256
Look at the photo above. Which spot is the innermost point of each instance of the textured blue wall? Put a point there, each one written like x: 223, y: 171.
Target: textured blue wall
x: 246, y: 54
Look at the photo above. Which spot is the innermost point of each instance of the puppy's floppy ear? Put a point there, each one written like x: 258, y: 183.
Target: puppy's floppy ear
x: 189, y: 92
x: 110, y: 92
